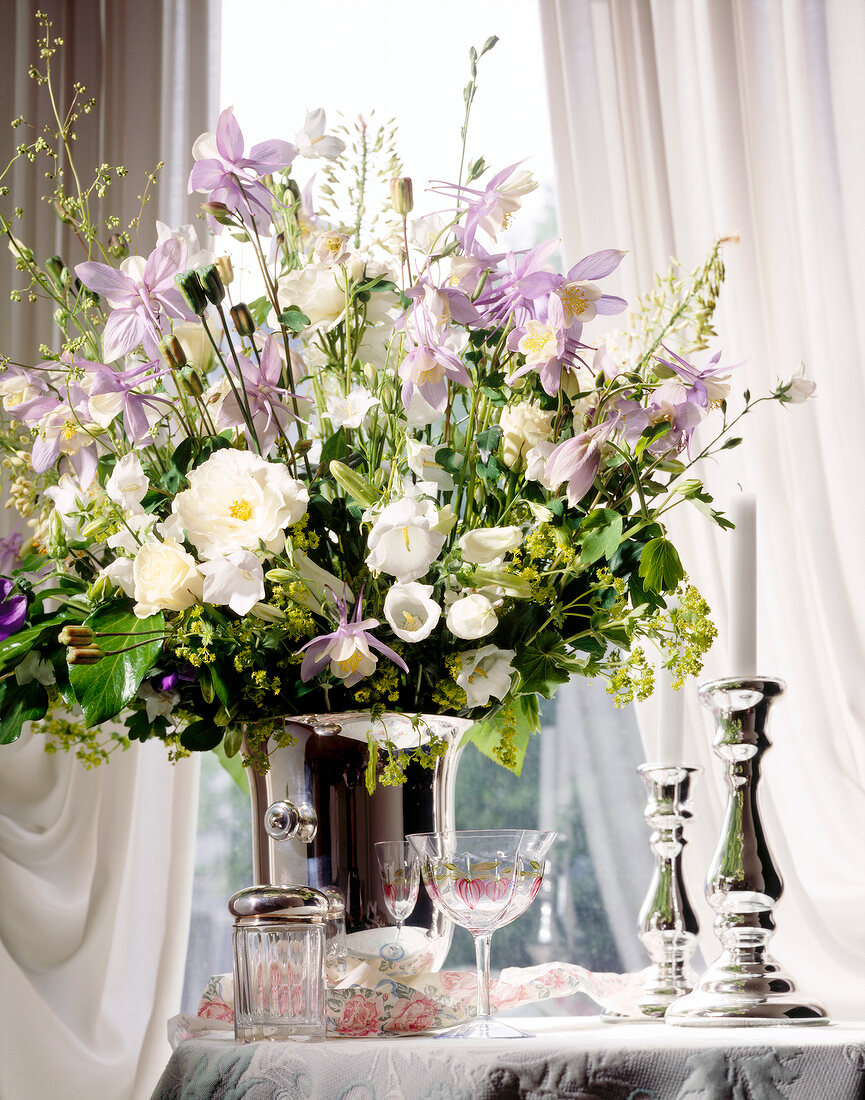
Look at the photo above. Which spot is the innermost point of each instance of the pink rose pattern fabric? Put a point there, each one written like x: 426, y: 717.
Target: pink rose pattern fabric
x: 424, y: 1003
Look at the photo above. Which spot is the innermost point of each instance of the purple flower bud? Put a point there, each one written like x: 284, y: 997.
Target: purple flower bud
x: 13, y: 610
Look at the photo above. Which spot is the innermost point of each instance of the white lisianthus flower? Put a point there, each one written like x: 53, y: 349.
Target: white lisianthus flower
x: 410, y: 611
x: 536, y: 464
x: 69, y: 500
x: 523, y: 426
x: 35, y: 667
x: 236, y: 580
x: 485, y: 544
x: 166, y: 578
x: 158, y: 703
x: 404, y: 541
x: 121, y: 574
x: 311, y: 140
x: 485, y: 673
x: 349, y: 411
x: 128, y: 484
x: 471, y: 616
x: 421, y: 458
x: 237, y: 499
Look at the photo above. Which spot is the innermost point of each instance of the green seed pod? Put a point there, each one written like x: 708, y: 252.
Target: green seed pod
x: 243, y: 320
x: 218, y: 211
x: 88, y: 655
x: 100, y: 589
x: 75, y: 635
x: 211, y: 283
x: 190, y: 379
x: 191, y: 289
x: 58, y: 272
x: 401, y: 196
x: 172, y: 352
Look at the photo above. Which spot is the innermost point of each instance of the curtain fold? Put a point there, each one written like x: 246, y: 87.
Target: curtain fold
x: 96, y: 866
x: 675, y: 122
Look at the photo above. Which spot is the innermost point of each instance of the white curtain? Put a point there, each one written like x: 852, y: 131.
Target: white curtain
x: 96, y: 867
x: 676, y: 121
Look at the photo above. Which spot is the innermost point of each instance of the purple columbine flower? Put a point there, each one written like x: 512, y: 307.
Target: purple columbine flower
x: 492, y: 207
x: 525, y: 280
x: 227, y: 176
x: 170, y: 681
x: 140, y: 293
x: 548, y: 346
x: 578, y: 460
x: 13, y: 610
x: 115, y: 391
x: 270, y: 415
x: 348, y: 649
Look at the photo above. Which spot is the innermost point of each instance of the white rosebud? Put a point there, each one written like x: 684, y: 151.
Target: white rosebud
x: 799, y: 388
x: 128, y: 484
x: 166, y: 578
x: 485, y: 673
x: 485, y: 544
x: 410, y: 611
x: 524, y: 426
x: 471, y: 616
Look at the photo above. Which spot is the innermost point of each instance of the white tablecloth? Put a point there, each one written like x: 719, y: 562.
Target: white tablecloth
x: 577, y: 1059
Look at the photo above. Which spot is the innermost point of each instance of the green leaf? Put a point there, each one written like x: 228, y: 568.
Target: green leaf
x: 201, y: 736
x: 20, y: 703
x: 259, y: 308
x: 234, y: 766
x: 294, y: 319
x: 104, y: 689
x: 486, y: 735
x: 660, y: 566
x: 450, y: 460
x: 232, y: 741
x: 544, y: 664
x: 601, y: 533
x: 332, y: 448
x: 487, y: 442
x: 17, y: 646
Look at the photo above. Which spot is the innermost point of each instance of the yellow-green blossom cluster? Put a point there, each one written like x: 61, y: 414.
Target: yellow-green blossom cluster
x: 631, y: 678
x: 92, y: 747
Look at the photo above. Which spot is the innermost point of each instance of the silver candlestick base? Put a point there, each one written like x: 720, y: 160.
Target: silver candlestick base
x: 668, y: 925
x: 745, y: 986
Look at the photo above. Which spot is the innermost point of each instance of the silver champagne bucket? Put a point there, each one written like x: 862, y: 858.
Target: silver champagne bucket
x: 314, y: 823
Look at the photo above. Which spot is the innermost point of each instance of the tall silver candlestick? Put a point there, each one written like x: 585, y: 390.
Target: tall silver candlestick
x: 745, y: 986
x: 668, y: 926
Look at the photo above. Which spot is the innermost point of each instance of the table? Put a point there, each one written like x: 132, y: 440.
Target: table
x: 570, y: 1058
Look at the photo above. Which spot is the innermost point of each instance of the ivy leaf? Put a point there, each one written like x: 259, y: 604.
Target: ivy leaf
x: 20, y: 703
x: 18, y: 645
x: 488, y: 441
x: 485, y: 735
x: 601, y: 533
x: 294, y: 319
x: 660, y: 566
x: 544, y: 664
x: 201, y: 736
x: 104, y: 689
x: 449, y: 460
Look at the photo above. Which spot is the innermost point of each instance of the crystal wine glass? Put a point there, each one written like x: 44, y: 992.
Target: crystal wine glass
x: 474, y: 877
x: 400, y: 880
x: 533, y: 852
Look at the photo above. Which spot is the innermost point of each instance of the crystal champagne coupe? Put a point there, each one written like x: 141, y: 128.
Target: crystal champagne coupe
x: 475, y: 877
x: 400, y: 881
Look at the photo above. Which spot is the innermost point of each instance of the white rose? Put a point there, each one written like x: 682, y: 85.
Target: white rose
x: 524, y: 426
x: 471, y: 616
x: 317, y: 292
x: 166, y: 578
x: 410, y: 611
x: 484, y: 673
x: 128, y: 484
x: 237, y: 499
x: 404, y: 541
x: 488, y: 543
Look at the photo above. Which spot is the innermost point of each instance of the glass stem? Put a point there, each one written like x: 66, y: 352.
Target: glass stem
x: 398, y: 930
x: 482, y: 955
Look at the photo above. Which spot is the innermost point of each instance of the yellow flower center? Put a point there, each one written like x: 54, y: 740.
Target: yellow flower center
x: 240, y: 509
x: 70, y: 429
x: 405, y: 538
x: 410, y: 622
x: 349, y: 665
x: 507, y: 219
x: 477, y: 672
x: 536, y: 341
x: 574, y: 300
x: 333, y: 244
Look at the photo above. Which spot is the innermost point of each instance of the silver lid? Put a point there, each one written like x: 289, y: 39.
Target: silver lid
x: 278, y: 903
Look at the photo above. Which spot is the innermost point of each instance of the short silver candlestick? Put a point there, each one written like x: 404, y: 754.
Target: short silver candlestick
x: 668, y: 925
x: 745, y: 986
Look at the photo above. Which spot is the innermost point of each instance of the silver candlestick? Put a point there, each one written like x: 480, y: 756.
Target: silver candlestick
x: 745, y: 986
x: 668, y: 925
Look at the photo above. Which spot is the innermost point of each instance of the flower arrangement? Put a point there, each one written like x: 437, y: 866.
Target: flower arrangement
x: 406, y: 476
